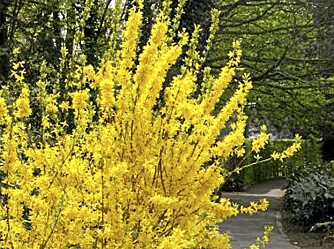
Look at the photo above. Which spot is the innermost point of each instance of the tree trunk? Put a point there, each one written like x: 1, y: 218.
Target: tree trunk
x: 4, y: 56
x: 324, y: 17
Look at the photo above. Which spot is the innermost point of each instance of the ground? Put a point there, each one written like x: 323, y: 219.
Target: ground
x: 302, y: 237
x: 297, y: 234
x: 245, y: 228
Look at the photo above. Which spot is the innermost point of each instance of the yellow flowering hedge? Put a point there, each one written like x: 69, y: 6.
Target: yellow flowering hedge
x: 131, y: 173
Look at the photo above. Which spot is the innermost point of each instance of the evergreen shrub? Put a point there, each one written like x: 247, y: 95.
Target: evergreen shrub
x: 310, y: 195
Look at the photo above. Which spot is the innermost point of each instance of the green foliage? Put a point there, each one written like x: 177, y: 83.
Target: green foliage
x: 279, y: 43
x: 54, y: 39
x: 281, y: 51
x: 41, y: 29
x: 310, y: 195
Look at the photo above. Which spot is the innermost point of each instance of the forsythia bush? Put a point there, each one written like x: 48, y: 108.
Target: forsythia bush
x: 131, y: 173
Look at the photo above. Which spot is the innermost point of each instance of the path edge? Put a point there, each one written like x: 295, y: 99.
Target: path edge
x: 279, y: 226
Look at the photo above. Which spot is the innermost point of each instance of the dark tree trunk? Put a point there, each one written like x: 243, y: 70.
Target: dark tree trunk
x: 91, y: 38
x: 4, y: 53
x: 324, y: 18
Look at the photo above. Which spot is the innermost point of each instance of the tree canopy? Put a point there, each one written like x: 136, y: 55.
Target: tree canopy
x: 286, y: 46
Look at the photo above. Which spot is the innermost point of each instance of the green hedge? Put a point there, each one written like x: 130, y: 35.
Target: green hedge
x: 309, y: 155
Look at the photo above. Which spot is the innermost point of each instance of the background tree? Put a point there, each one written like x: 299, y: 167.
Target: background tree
x: 42, y: 28
x: 324, y: 15
x: 271, y: 31
x: 61, y: 34
x: 285, y: 44
x: 4, y: 50
x: 281, y: 44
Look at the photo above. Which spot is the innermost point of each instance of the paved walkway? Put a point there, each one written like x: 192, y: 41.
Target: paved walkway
x: 246, y: 228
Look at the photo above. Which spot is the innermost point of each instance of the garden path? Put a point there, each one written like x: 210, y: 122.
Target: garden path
x: 246, y: 228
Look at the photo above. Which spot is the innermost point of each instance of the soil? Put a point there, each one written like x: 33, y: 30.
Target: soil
x: 302, y: 237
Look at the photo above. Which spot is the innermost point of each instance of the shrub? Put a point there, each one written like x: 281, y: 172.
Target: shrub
x: 136, y: 168
x: 310, y: 195
x: 131, y: 171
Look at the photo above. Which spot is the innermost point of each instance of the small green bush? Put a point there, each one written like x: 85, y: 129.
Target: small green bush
x: 310, y: 195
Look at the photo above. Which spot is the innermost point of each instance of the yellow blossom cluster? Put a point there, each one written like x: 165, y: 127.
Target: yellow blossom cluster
x: 255, y: 207
x: 260, y: 142
x: 3, y: 108
x: 23, y: 103
x: 51, y: 104
x: 288, y: 152
x: 130, y: 173
x: 18, y: 71
x: 262, y: 242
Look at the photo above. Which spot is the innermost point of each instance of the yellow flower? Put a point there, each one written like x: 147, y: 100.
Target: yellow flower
x: 275, y: 155
x: 288, y: 152
x: 23, y: 107
x: 261, y: 141
x: 240, y: 152
x: 18, y: 76
x: 16, y: 66
x: 3, y: 108
x: 88, y: 71
x: 263, y: 205
x: 79, y: 100
x: 25, y: 92
x: 64, y: 106
x: 51, y: 106
x: 16, y: 51
x: 254, y: 247
x: 45, y: 122
x: 107, y: 93
x: 23, y: 104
